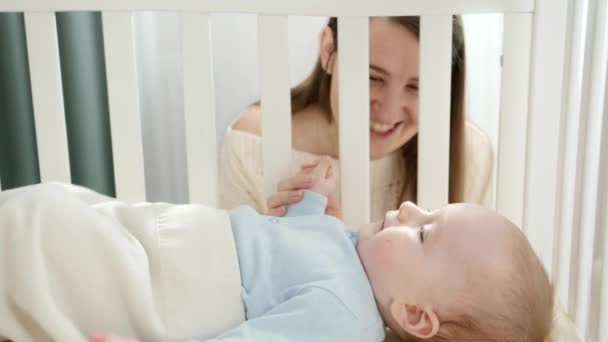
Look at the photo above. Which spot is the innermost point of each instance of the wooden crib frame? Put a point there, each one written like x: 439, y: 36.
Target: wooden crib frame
x: 552, y: 177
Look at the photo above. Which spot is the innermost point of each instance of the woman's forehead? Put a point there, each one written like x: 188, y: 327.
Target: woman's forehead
x: 394, y: 48
x: 379, y: 27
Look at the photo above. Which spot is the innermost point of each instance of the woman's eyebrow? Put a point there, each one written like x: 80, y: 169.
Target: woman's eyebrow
x: 379, y: 69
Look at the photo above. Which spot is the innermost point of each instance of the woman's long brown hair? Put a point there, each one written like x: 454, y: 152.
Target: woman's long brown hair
x: 315, y: 89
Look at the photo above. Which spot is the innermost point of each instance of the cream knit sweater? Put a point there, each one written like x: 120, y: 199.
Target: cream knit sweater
x: 241, y: 175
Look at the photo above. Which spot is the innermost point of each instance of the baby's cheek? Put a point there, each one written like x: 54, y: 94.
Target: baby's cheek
x: 376, y: 251
x: 386, y: 252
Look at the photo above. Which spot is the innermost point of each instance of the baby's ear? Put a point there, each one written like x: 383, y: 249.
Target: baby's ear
x: 417, y: 321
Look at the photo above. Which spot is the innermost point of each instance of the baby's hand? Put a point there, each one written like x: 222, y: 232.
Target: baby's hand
x: 320, y: 176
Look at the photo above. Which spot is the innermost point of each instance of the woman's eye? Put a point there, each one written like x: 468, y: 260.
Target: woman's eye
x: 421, y: 233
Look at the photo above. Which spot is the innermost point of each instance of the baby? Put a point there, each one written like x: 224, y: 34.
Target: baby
x: 460, y: 273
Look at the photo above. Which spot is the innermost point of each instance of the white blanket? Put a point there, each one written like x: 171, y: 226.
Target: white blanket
x: 73, y: 262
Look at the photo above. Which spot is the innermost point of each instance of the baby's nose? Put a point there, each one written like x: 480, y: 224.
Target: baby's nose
x: 410, y: 212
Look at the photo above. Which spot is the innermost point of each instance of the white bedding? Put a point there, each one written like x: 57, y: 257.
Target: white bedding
x: 73, y: 262
x: 155, y: 271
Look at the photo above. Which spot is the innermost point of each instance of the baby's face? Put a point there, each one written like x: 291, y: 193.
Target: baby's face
x: 425, y: 258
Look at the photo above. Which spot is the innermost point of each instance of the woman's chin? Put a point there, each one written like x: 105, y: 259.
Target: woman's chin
x: 380, y: 151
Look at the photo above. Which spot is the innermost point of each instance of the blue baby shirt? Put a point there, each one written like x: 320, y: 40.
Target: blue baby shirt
x: 302, y: 279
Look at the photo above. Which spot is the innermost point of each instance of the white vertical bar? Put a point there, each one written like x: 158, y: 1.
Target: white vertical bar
x: 277, y: 7
x: 199, y: 109
x: 565, y: 256
x: 513, y: 117
x: 434, y: 117
x: 47, y: 97
x: 275, y: 99
x: 123, y: 98
x: 603, y: 306
x: 599, y: 308
x: 602, y: 334
x: 594, y: 84
x: 353, y: 74
x: 546, y: 87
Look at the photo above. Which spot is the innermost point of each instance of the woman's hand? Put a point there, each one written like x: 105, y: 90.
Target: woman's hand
x: 320, y: 176
x: 106, y: 337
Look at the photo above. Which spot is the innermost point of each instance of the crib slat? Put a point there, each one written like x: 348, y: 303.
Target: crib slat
x: 47, y: 97
x: 513, y: 117
x: 199, y: 109
x: 278, y: 7
x: 602, y: 307
x: 598, y: 316
x: 434, y: 113
x: 123, y: 98
x: 570, y: 170
x: 275, y: 99
x: 544, y: 127
x: 602, y: 334
x: 594, y: 84
x: 602, y: 319
x: 353, y: 56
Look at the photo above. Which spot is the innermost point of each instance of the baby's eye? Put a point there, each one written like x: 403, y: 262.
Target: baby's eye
x: 421, y: 234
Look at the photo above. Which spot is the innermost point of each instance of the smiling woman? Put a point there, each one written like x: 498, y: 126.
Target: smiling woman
x: 394, y: 122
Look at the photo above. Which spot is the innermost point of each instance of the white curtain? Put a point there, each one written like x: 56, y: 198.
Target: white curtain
x: 161, y: 102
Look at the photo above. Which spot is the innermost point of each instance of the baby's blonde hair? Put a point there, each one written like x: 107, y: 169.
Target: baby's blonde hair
x: 524, y: 298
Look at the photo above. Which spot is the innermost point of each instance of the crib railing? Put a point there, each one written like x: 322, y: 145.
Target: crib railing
x: 276, y: 7
x: 585, y: 202
x: 123, y: 96
x: 552, y: 172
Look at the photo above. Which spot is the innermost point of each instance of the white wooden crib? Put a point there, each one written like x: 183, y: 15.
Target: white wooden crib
x: 552, y: 172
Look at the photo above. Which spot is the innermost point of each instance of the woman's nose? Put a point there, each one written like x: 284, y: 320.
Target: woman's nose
x: 389, y: 106
x: 375, y: 107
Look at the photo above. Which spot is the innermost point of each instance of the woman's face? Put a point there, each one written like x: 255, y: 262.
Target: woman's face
x: 393, y: 85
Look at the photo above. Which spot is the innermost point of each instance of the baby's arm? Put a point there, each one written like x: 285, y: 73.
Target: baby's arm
x: 314, y: 201
x: 314, y: 314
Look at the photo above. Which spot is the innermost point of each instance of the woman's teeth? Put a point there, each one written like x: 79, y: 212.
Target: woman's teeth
x: 380, y: 128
